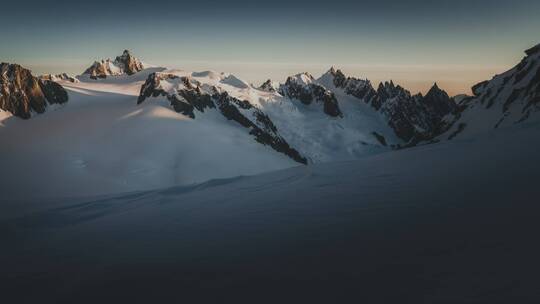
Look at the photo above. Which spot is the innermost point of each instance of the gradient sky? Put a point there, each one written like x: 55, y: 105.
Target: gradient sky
x: 456, y: 43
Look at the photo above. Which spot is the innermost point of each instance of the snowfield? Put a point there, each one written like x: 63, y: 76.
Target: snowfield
x: 102, y: 142
x: 132, y: 128
x: 153, y: 185
x: 454, y: 222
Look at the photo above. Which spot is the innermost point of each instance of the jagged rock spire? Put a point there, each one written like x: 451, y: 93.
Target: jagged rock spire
x: 123, y: 64
x: 332, y: 70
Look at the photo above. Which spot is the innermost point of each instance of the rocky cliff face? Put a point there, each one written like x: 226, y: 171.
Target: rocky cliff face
x: 128, y: 63
x: 269, y: 86
x: 187, y: 96
x: 404, y: 113
x: 416, y: 118
x: 123, y: 64
x: 23, y: 94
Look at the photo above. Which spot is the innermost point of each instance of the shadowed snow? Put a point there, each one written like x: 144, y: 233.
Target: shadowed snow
x: 444, y: 223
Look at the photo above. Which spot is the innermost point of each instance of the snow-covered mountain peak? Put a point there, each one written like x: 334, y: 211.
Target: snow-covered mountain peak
x: 304, y: 88
x: 306, y: 117
x: 336, y: 79
x: 123, y: 64
x: 269, y: 86
x: 301, y: 79
x: 128, y: 63
x: 332, y: 71
x: 163, y: 82
x: 331, y: 78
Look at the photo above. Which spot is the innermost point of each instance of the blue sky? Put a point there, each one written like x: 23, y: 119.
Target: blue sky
x: 455, y: 43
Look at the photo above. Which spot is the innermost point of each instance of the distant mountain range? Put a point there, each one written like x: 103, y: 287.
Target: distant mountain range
x: 306, y: 118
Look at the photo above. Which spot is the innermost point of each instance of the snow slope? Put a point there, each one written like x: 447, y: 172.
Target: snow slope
x: 453, y: 222
x: 101, y: 141
x: 507, y: 99
x: 316, y: 135
x: 326, y: 138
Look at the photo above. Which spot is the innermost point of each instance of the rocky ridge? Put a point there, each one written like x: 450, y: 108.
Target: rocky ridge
x: 303, y: 87
x: 188, y: 97
x: 413, y: 117
x: 507, y: 99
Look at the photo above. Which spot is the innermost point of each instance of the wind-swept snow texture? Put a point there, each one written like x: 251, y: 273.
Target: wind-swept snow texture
x: 453, y: 222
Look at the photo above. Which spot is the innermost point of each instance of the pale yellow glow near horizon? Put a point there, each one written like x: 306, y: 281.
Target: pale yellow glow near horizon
x: 455, y: 79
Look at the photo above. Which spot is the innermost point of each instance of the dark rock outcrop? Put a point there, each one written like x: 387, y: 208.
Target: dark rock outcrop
x: 303, y: 88
x: 534, y: 50
x: 123, y: 64
x: 358, y: 88
x: 264, y: 131
x: 413, y: 118
x: 268, y: 86
x: 128, y: 63
x: 188, y: 97
x: 438, y: 105
x: 183, y: 101
x: 405, y: 114
x: 22, y: 94
x: 380, y: 138
x: 54, y: 93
